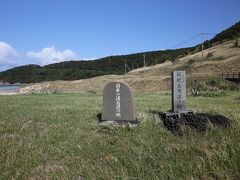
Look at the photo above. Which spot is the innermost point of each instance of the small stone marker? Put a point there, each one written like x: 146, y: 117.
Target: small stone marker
x: 178, y: 91
x: 118, y: 103
x: 178, y: 118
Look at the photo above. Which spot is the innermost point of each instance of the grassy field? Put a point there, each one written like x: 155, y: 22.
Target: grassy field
x: 58, y: 137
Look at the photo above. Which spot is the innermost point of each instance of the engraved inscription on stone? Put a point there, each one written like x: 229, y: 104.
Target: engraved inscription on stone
x: 118, y: 103
x: 178, y: 91
x: 118, y: 100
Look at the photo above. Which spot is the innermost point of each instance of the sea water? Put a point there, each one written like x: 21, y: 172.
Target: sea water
x: 9, y: 87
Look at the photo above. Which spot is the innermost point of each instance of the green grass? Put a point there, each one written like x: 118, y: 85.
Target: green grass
x: 58, y: 137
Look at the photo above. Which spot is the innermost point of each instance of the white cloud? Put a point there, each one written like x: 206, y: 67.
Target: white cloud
x: 50, y: 55
x: 89, y: 59
x: 8, y: 56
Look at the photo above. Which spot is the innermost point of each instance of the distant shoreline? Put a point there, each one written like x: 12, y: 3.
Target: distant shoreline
x: 9, y: 89
x: 9, y: 92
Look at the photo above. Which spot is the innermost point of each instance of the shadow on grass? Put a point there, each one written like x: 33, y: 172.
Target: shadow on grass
x: 99, y: 117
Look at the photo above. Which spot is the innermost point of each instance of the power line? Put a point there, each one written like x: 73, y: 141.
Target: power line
x: 185, y: 42
x: 195, y: 37
x: 213, y: 34
x: 178, y: 45
x: 202, y: 34
x: 191, y: 39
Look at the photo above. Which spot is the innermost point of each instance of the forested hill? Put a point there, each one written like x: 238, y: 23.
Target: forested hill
x: 72, y: 70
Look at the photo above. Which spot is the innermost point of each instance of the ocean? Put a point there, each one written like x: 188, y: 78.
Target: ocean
x: 9, y: 87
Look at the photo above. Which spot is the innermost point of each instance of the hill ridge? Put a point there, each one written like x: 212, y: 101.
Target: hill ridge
x: 73, y: 70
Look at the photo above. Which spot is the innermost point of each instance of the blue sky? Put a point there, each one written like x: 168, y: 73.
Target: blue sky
x: 47, y: 31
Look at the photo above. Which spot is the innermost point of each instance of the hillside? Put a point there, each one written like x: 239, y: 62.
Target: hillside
x: 221, y: 58
x: 74, y: 70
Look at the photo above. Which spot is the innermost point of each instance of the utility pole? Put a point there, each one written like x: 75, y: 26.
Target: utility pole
x: 144, y: 62
x: 202, y: 48
x: 125, y: 67
x: 202, y: 39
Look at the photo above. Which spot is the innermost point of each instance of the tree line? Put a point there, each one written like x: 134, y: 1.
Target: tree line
x: 73, y: 70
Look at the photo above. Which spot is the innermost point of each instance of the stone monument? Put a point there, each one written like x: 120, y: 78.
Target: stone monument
x: 118, y: 103
x: 178, y: 91
x: 178, y: 118
x: 178, y: 95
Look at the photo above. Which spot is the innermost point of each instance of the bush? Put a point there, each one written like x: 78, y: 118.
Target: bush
x: 209, y: 86
x: 237, y: 43
x: 212, y: 93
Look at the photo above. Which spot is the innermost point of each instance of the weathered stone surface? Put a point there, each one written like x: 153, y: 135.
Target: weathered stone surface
x: 118, y: 102
x: 178, y: 91
x: 177, y: 123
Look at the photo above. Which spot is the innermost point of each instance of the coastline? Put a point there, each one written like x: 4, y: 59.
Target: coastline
x: 9, y: 92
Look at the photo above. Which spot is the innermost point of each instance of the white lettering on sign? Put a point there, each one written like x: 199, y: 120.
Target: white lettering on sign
x: 118, y: 101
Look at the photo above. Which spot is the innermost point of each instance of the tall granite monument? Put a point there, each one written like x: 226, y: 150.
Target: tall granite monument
x: 118, y: 103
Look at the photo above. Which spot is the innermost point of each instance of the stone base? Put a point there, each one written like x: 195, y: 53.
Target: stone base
x: 177, y: 114
x: 177, y: 122
x: 120, y: 123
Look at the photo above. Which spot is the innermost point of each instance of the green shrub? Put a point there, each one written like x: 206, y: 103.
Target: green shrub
x: 210, y: 86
